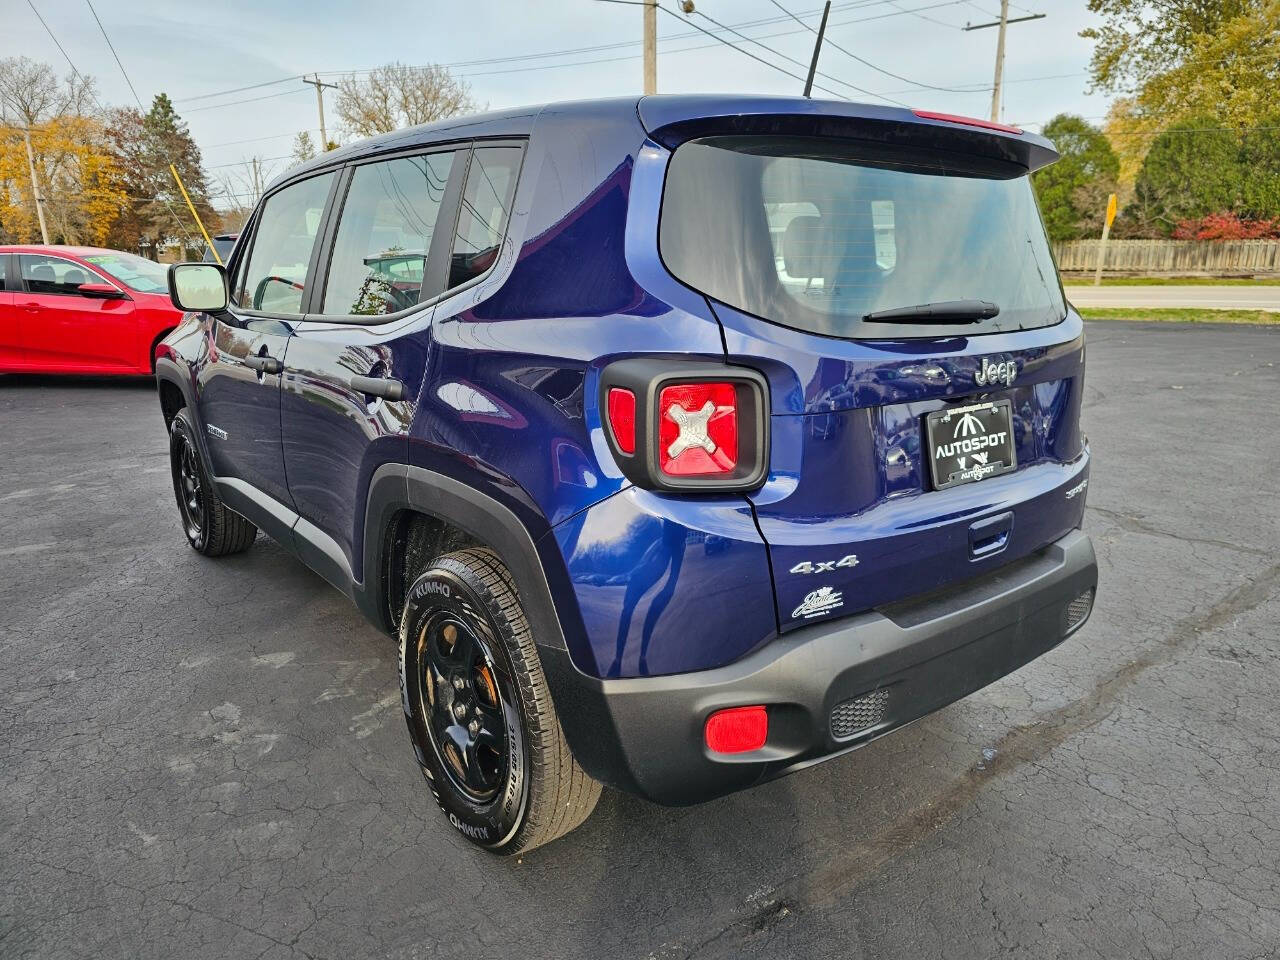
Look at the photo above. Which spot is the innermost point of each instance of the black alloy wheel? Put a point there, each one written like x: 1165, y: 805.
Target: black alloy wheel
x: 190, y: 490
x: 466, y: 706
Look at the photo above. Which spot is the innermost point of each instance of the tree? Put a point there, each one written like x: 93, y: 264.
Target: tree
x: 303, y: 149
x: 146, y: 144
x: 1073, y: 192
x: 396, y: 95
x: 30, y: 92
x: 1192, y: 169
x: 169, y: 142
x: 80, y: 181
x: 1180, y: 57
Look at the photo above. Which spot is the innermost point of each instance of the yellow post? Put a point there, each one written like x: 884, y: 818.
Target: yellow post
x: 192, y: 208
x: 1106, y: 232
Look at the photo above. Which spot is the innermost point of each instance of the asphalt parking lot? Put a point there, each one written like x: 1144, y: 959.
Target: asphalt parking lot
x: 207, y: 758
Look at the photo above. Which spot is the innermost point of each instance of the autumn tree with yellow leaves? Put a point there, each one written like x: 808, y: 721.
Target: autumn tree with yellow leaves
x: 79, y: 177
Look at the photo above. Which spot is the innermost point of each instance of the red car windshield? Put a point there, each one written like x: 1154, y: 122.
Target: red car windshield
x: 136, y: 273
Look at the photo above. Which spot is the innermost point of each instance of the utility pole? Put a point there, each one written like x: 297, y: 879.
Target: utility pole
x: 1004, y: 21
x: 995, y: 87
x: 321, y: 86
x: 651, y: 47
x: 35, y: 187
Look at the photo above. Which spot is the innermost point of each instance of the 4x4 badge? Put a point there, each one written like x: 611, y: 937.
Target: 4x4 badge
x: 1006, y: 371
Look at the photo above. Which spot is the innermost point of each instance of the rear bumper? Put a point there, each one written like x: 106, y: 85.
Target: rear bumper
x: 645, y: 735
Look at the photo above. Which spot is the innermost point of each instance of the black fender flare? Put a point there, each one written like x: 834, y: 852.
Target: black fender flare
x: 171, y: 371
x: 584, y: 716
x: 397, y: 486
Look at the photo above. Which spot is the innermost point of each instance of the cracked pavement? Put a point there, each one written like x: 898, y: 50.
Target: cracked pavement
x: 206, y: 758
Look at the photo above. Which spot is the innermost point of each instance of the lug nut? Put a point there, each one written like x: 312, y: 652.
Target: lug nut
x: 473, y: 728
x: 459, y: 711
x: 459, y: 683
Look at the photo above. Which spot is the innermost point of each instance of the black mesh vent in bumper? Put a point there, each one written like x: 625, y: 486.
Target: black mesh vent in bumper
x: 1078, y: 609
x: 851, y: 717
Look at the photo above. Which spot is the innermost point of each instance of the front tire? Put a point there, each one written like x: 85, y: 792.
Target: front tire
x: 210, y: 527
x: 480, y: 716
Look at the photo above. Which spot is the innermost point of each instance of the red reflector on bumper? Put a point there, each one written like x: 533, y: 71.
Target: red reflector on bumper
x: 737, y: 730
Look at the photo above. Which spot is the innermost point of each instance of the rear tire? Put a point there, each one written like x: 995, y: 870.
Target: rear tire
x: 469, y: 671
x: 210, y: 527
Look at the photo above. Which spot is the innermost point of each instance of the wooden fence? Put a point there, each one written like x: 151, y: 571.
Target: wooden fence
x: 1171, y: 256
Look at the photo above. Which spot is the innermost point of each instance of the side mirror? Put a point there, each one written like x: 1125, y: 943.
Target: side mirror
x: 100, y: 291
x: 198, y: 287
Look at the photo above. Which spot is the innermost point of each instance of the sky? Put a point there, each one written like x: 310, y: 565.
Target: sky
x: 192, y: 51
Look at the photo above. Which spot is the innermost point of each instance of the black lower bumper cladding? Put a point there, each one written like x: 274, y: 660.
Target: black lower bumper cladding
x: 828, y: 688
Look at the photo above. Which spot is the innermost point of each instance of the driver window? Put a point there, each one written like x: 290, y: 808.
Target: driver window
x: 384, y: 236
x: 274, y: 276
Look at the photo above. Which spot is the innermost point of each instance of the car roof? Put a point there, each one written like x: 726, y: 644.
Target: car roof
x: 654, y: 113
x: 60, y: 249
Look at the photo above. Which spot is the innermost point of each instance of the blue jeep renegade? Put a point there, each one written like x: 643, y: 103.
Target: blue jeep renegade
x: 683, y: 442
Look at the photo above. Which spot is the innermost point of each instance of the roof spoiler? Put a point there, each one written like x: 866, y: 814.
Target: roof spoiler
x: 671, y: 121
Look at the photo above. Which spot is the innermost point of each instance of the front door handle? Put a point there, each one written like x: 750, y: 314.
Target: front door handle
x: 384, y: 387
x: 264, y: 364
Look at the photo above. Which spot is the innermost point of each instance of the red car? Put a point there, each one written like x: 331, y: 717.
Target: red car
x: 81, y: 310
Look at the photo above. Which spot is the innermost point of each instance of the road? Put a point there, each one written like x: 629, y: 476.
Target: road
x: 1207, y: 297
x: 206, y: 759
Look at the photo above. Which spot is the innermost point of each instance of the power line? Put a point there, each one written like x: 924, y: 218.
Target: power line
x: 235, y: 103
x: 112, y: 48
x: 252, y: 86
x: 760, y: 22
x: 270, y: 136
x: 734, y: 46
x: 799, y: 63
x: 89, y: 89
x: 864, y: 62
x: 727, y: 43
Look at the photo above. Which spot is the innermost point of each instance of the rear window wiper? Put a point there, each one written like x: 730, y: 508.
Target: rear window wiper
x: 944, y: 311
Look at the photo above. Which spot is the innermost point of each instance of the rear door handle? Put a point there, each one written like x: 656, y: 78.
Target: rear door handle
x: 384, y: 387
x: 264, y: 364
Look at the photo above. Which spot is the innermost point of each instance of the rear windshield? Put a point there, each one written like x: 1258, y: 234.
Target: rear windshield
x: 815, y: 234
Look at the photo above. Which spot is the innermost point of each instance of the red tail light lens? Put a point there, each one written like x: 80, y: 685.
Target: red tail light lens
x: 698, y: 429
x: 622, y: 418
x: 737, y: 730
x: 967, y: 121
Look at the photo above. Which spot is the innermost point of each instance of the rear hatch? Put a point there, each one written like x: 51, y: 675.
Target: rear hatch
x: 910, y: 448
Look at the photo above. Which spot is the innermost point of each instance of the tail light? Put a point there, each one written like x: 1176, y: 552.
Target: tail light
x: 677, y: 426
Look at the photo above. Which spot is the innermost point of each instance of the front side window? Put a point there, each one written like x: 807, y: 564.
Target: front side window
x: 486, y: 207
x: 274, y: 277
x: 384, y: 236
x: 816, y: 234
x: 54, y: 275
x: 136, y: 273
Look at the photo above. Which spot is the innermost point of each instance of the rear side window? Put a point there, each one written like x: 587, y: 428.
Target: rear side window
x: 486, y: 207
x: 54, y: 275
x: 815, y: 234
x: 274, y: 277
x: 389, y: 217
